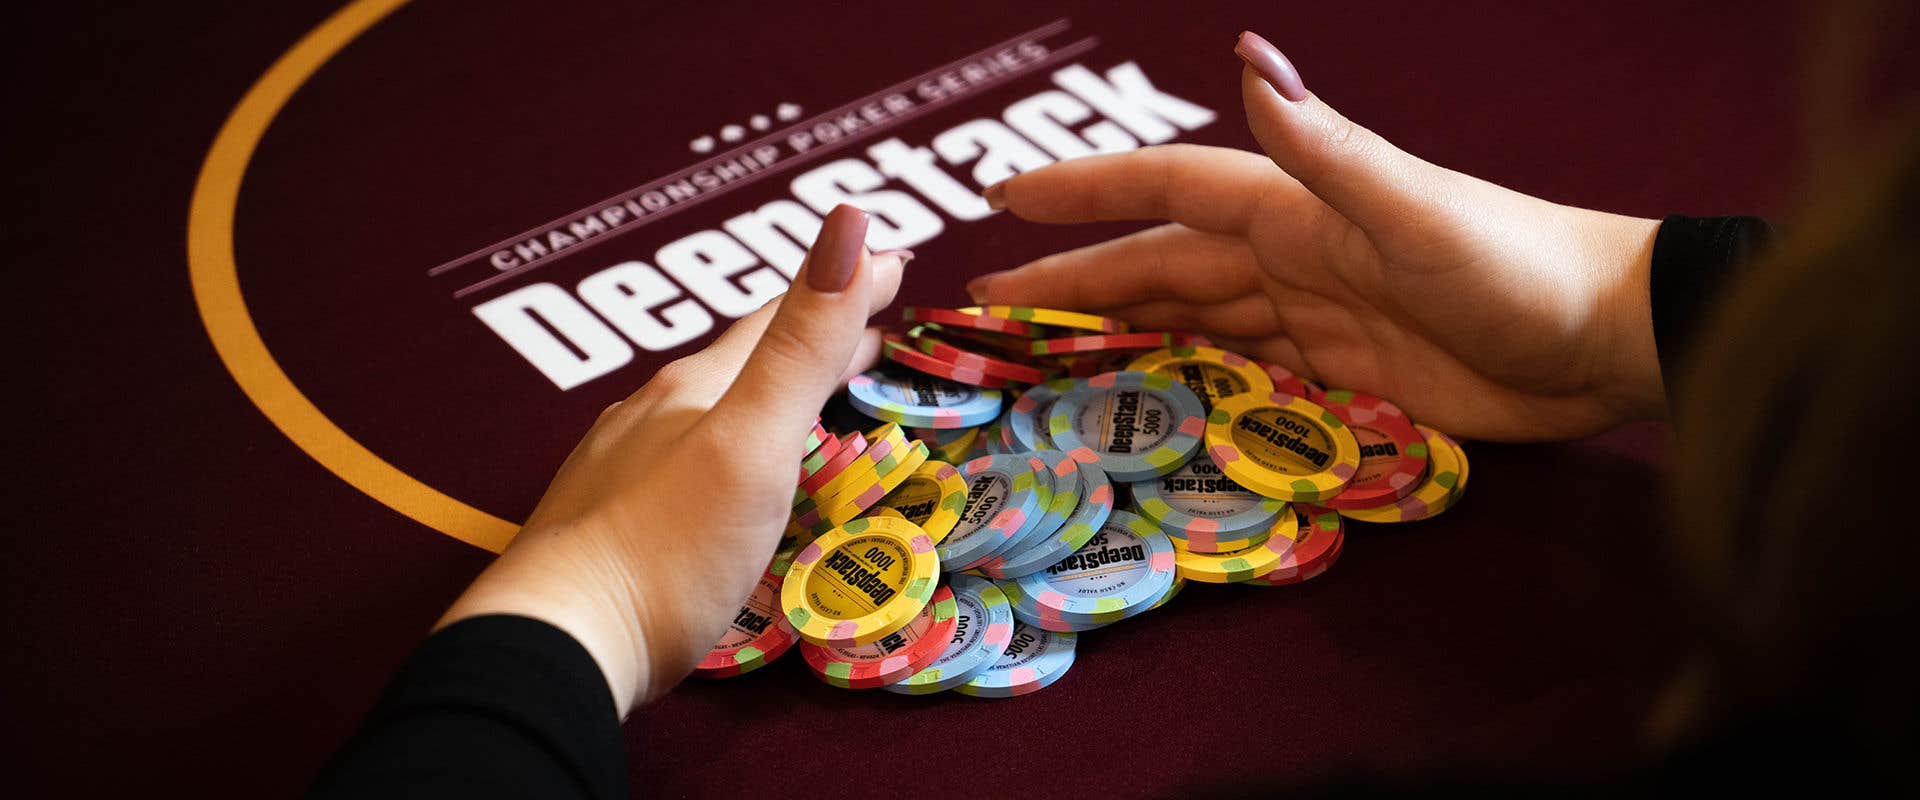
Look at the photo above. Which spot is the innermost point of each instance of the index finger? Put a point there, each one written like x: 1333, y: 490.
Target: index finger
x: 1213, y: 189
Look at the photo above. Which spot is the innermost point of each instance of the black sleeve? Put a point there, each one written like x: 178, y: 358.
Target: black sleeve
x: 1695, y: 260
x: 497, y: 706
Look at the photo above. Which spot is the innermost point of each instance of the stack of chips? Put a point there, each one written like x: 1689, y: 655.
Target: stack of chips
x: 1033, y: 474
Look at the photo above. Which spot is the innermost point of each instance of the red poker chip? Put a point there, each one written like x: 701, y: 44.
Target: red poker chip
x: 851, y: 446
x: 1393, y: 456
x: 759, y: 632
x: 897, y: 350
x: 1088, y: 365
x: 1285, y: 382
x: 962, y: 319
x: 1109, y: 341
x: 829, y: 447
x: 1321, y: 536
x: 894, y: 657
x: 1002, y: 345
x: 999, y: 368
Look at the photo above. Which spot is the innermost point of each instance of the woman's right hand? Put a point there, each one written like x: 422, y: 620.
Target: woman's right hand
x: 1482, y: 311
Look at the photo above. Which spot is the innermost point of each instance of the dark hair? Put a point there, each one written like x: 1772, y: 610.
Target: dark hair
x: 1799, y: 427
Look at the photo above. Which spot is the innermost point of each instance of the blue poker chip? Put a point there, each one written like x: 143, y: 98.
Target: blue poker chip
x: 1027, y: 612
x: 1003, y: 501
x: 919, y: 400
x: 1096, y: 504
x: 1200, y: 505
x: 1059, y: 496
x: 1140, y: 425
x: 1035, y: 658
x: 1027, y: 417
x: 983, y: 626
x: 1123, y: 570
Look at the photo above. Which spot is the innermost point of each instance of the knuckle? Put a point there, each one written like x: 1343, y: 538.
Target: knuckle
x: 786, y: 344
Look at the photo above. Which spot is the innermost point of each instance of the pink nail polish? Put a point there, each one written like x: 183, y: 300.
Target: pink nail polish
x: 996, y: 195
x: 1271, y: 65
x: 836, y: 254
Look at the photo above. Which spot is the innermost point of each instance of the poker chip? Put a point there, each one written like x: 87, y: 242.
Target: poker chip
x: 816, y: 436
x: 983, y: 627
x: 1317, y: 541
x: 932, y: 497
x: 859, y: 582
x: 893, y: 657
x: 1432, y: 496
x: 1033, y: 660
x: 884, y: 442
x: 969, y: 318
x: 1204, y: 510
x: 1286, y: 382
x: 758, y: 634
x: 928, y: 343
x: 922, y: 401
x: 1025, y: 611
x: 817, y: 459
x: 951, y: 445
x: 1239, y: 565
x: 1211, y: 373
x: 1003, y: 500
x: 1096, y: 505
x: 1122, y: 571
x: 899, y: 351
x: 1393, y: 456
x: 1459, y: 487
x: 1087, y: 365
x: 1062, y: 496
x: 1056, y: 318
x: 1002, y: 345
x: 1178, y: 584
x: 855, y: 500
x: 1026, y: 420
x: 1141, y: 425
x: 1282, y: 446
x: 851, y: 447
x: 1111, y: 341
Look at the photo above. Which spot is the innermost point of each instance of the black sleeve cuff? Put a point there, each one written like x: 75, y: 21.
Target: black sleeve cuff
x: 495, y: 706
x: 1695, y: 261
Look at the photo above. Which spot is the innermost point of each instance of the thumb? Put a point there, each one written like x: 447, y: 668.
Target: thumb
x: 1375, y: 185
x: 797, y: 363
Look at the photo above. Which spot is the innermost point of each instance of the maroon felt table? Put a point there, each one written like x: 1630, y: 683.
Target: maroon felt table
x: 200, y: 598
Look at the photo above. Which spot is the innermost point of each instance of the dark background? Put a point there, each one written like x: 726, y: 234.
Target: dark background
x: 195, y: 602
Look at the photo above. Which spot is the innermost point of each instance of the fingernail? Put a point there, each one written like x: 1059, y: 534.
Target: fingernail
x: 977, y: 288
x: 996, y: 195
x: 836, y: 254
x: 1271, y: 65
x: 901, y: 253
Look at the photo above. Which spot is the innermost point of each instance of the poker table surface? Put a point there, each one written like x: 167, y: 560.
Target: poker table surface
x: 270, y: 436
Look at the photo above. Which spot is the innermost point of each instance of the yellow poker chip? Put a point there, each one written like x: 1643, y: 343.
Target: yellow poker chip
x: 1239, y: 565
x: 1437, y: 491
x: 1459, y: 488
x: 853, y: 503
x: 860, y: 582
x: 882, y: 442
x: 1055, y: 317
x: 1282, y: 446
x: 933, y: 497
x: 1210, y: 372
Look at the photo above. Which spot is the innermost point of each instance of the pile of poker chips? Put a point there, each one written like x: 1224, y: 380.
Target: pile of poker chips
x: 1034, y: 474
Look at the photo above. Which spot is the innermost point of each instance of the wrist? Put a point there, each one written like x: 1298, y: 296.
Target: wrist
x: 572, y: 592
x: 1633, y: 383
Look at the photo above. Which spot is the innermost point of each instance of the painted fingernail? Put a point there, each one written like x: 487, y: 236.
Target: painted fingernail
x: 836, y: 254
x: 1271, y: 65
x: 996, y: 195
x: 901, y: 253
x: 977, y: 288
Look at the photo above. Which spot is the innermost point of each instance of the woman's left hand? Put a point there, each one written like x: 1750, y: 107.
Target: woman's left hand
x: 664, y: 516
